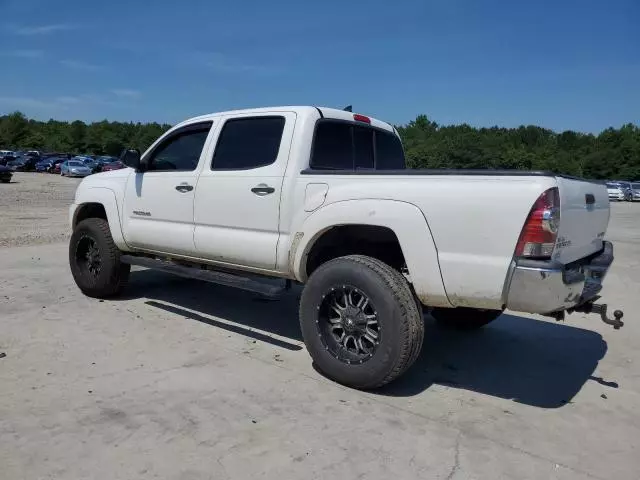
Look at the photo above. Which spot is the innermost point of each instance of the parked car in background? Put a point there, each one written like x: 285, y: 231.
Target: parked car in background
x: 30, y: 163
x: 627, y: 189
x: 55, y: 164
x: 6, y: 156
x: 104, y: 160
x: 635, y: 191
x: 74, y: 168
x: 23, y: 164
x: 17, y: 165
x: 5, y: 174
x: 616, y: 192
x: 117, y: 165
x: 44, y: 166
x: 91, y: 163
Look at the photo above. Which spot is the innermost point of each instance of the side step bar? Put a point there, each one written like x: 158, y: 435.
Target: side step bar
x: 211, y: 276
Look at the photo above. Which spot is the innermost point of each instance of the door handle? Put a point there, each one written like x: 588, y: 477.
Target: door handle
x: 184, y: 187
x: 262, y: 190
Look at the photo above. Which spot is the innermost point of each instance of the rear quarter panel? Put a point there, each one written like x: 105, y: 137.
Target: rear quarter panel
x: 472, y: 224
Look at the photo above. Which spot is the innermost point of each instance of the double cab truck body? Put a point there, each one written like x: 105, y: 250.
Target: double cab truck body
x: 322, y: 197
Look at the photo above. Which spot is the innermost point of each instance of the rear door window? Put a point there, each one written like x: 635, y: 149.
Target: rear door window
x: 247, y: 143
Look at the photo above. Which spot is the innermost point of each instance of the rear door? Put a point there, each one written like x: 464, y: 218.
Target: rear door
x: 584, y: 217
x: 237, y: 202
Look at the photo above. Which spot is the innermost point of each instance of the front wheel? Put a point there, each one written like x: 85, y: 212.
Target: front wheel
x: 464, y: 318
x: 360, y: 321
x: 94, y: 259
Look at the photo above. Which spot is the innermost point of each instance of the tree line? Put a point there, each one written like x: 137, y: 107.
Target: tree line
x: 612, y: 154
x: 17, y: 132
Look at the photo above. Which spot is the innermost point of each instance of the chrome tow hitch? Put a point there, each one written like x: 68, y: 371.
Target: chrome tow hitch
x: 601, y: 309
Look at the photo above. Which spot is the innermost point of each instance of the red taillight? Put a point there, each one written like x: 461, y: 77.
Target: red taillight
x: 361, y: 118
x: 538, y: 236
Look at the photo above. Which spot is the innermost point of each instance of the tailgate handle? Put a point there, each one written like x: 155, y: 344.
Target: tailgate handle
x: 589, y: 199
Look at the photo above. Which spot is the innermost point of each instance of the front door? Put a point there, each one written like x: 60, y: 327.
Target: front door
x: 237, y: 204
x: 159, y: 201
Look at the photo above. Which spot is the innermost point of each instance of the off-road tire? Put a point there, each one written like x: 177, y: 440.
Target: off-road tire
x: 399, y: 315
x: 464, y: 318
x: 113, y: 274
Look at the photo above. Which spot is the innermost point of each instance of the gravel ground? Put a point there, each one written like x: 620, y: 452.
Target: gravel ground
x: 34, y: 208
x: 178, y: 379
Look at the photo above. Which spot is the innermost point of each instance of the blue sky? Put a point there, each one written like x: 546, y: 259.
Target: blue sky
x: 564, y: 64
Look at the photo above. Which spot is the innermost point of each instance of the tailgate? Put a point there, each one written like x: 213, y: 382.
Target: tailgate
x: 584, y: 216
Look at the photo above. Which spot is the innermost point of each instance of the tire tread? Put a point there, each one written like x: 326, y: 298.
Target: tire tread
x: 412, y: 321
x: 119, y: 275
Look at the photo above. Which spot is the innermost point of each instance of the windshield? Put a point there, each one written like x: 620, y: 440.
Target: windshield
x: 613, y: 185
x: 635, y: 186
x: 76, y: 164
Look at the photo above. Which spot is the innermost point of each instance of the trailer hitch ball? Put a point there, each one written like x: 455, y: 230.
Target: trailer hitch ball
x: 618, y: 314
x: 601, y: 309
x: 616, y: 322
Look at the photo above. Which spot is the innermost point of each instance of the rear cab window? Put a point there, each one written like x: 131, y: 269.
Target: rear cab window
x: 344, y: 145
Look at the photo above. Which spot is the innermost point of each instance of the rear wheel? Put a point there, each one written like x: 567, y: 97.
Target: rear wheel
x: 95, y: 259
x: 360, y: 321
x: 464, y: 318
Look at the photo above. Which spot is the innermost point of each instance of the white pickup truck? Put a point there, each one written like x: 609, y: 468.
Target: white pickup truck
x: 321, y: 197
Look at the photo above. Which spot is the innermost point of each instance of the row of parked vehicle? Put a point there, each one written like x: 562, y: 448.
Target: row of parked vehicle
x: 623, y: 191
x: 61, y: 163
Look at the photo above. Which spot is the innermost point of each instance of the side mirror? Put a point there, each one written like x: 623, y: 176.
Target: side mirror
x: 131, y: 158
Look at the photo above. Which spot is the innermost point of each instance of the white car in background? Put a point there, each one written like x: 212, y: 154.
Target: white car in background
x: 616, y: 192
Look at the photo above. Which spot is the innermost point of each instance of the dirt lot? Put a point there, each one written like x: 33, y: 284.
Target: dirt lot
x: 33, y: 209
x: 184, y: 380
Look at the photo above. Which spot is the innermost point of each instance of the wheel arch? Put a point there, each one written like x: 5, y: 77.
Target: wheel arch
x: 402, y: 227
x: 99, y: 203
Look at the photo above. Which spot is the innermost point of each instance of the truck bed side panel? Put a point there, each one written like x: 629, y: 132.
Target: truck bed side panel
x: 475, y: 221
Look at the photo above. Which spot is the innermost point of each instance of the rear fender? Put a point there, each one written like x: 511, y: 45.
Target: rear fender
x: 404, y: 219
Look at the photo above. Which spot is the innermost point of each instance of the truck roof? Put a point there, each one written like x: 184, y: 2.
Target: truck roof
x: 326, y: 112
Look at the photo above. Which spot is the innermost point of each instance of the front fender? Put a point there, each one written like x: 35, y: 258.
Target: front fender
x: 107, y: 198
x: 404, y: 219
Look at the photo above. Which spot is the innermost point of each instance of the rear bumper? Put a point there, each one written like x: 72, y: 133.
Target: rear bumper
x: 545, y: 287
